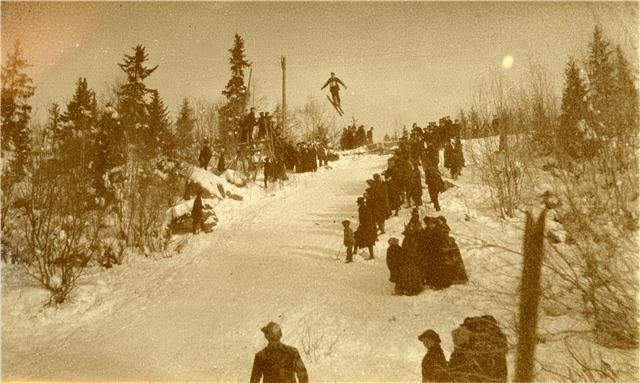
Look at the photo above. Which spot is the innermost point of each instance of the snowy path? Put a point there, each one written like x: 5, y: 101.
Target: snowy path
x: 196, y: 317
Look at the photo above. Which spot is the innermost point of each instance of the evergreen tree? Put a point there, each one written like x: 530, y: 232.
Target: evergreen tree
x: 77, y: 141
x: 159, y: 125
x: 601, y: 82
x: 17, y: 88
x: 132, y: 104
x: 110, y: 145
x: 626, y: 94
x: 236, y: 91
x: 184, y: 125
x: 53, y: 133
x: 573, y: 108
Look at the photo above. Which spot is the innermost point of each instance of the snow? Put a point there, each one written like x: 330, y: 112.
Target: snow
x: 275, y: 256
x: 214, y: 185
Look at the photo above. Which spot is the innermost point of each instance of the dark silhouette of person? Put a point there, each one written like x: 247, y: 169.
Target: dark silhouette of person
x: 277, y: 363
x: 334, y: 87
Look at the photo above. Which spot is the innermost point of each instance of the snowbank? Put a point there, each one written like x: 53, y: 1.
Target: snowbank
x: 214, y: 186
x: 178, y: 217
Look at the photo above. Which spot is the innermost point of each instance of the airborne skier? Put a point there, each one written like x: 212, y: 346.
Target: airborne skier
x: 334, y: 87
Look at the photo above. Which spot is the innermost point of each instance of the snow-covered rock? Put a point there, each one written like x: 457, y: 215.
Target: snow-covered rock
x: 178, y: 217
x: 235, y: 178
x: 214, y: 186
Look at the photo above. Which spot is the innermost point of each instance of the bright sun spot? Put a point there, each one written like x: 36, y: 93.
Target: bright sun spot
x: 507, y: 61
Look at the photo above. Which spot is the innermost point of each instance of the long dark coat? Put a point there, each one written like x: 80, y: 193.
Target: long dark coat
x: 278, y: 363
x: 393, y: 192
x: 394, y: 253
x: 434, y: 366
x: 196, y: 210
x: 415, y: 189
x: 366, y: 234
x: 409, y: 277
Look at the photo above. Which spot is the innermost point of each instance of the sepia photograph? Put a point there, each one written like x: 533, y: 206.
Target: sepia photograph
x: 320, y: 191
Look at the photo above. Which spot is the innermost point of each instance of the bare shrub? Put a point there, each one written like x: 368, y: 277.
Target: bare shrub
x: 59, y: 227
x: 315, y: 342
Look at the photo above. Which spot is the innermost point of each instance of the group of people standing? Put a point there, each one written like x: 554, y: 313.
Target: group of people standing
x: 354, y: 137
x: 479, y: 353
x: 255, y: 128
x: 428, y: 257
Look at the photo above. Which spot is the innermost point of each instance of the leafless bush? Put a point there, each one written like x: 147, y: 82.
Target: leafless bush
x: 59, y: 227
x: 315, y: 343
x: 142, y: 195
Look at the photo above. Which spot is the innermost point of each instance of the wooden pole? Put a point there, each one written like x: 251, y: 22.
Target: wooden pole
x: 283, y: 64
x: 529, y: 297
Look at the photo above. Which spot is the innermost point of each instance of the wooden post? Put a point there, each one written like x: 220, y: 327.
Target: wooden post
x: 283, y: 64
x: 533, y: 252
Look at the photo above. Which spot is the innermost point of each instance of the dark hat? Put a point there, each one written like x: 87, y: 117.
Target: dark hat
x: 360, y: 200
x: 376, y: 176
x: 429, y: 334
x: 346, y: 222
x: 272, y: 331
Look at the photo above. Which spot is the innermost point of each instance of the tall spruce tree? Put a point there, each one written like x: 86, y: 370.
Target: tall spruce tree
x: 159, y: 126
x: 235, y: 91
x: 15, y: 111
x: 132, y: 98
x: 601, y: 83
x: 77, y: 146
x: 184, y: 129
x: 573, y: 108
x: 110, y: 145
x: 53, y: 132
x: 626, y: 94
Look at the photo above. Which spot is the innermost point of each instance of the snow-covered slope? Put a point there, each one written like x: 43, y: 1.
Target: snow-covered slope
x: 276, y: 256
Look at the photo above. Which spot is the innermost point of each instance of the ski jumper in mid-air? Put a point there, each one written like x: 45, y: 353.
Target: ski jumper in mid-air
x: 334, y: 86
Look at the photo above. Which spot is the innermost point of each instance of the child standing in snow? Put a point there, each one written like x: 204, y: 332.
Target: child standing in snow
x: 349, y: 240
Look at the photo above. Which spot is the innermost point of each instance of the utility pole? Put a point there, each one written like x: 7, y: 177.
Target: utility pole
x: 283, y: 64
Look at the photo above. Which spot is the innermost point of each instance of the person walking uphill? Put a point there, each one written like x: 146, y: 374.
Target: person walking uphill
x: 277, y: 363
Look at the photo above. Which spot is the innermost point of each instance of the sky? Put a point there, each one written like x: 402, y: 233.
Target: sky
x: 402, y: 62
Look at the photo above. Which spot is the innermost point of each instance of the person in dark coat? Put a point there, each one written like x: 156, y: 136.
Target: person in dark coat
x: 435, y: 185
x: 458, y: 158
x: 205, y: 155
x: 196, y: 213
x: 409, y: 276
x: 435, y: 272
x: 434, y: 364
x: 349, y: 240
x: 267, y: 171
x: 394, y: 252
x: 248, y: 124
x: 415, y: 189
x: 222, y: 166
x: 278, y: 362
x: 365, y: 235
x: 393, y: 193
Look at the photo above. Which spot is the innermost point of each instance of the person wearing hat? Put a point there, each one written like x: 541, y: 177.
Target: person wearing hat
x: 365, y: 235
x: 267, y: 171
x: 434, y: 364
x: 248, y: 124
x: 394, y: 253
x: 349, y: 240
x: 205, y: 155
x: 277, y: 362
